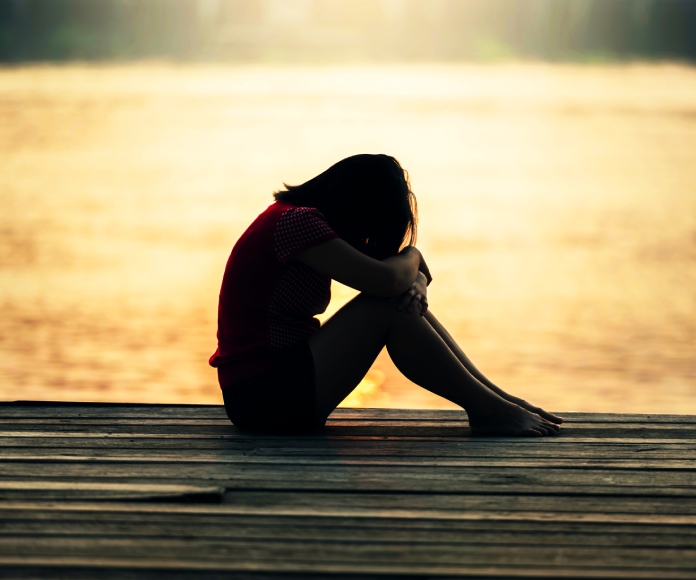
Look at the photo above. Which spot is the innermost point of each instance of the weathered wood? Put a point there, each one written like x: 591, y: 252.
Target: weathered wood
x: 109, y: 512
x: 667, y: 467
x: 359, y: 434
x: 108, y: 411
x: 332, y: 423
x: 63, y: 567
x: 329, y: 504
x: 361, y: 531
x: 491, y: 519
x: 338, y: 418
x: 406, y: 506
x: 110, y: 491
x: 144, y: 491
x: 247, y: 554
x: 237, y: 439
x: 411, y: 478
x: 216, y: 448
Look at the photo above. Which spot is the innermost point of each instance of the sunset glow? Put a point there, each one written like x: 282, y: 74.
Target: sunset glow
x: 557, y: 203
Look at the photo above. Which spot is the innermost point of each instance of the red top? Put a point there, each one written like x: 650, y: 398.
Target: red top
x: 268, y: 302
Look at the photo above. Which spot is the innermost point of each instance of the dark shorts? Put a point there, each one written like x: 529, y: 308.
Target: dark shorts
x: 279, y: 400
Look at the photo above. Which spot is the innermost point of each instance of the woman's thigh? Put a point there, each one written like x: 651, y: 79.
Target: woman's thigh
x: 346, y: 345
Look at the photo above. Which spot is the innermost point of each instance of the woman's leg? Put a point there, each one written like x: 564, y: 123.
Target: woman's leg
x: 346, y: 346
x: 459, y: 353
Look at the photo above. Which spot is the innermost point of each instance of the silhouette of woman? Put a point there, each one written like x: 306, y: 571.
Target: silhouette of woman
x: 280, y: 371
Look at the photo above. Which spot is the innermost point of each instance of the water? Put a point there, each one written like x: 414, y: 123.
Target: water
x: 558, y: 215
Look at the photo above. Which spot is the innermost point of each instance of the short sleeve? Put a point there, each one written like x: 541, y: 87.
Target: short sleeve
x: 300, y: 228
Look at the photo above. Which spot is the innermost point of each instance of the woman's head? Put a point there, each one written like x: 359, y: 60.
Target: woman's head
x: 366, y: 199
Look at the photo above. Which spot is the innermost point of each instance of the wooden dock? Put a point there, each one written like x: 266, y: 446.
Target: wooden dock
x: 146, y: 491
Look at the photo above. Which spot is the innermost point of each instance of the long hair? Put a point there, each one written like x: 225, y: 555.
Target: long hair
x: 366, y: 199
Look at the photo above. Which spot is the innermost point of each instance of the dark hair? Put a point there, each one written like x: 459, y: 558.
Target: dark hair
x: 366, y: 199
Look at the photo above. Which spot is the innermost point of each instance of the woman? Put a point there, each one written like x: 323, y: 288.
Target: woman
x: 280, y: 371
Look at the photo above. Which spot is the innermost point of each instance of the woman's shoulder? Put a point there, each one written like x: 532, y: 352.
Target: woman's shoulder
x: 281, y: 216
x: 273, y: 213
x: 298, y: 228
x: 280, y: 207
x: 288, y: 227
x: 288, y: 215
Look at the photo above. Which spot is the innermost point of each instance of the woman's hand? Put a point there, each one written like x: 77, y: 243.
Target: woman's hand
x: 415, y: 299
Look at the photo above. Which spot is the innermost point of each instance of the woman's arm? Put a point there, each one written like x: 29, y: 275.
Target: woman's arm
x: 343, y: 263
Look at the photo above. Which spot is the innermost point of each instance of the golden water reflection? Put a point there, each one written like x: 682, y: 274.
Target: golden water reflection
x: 558, y: 214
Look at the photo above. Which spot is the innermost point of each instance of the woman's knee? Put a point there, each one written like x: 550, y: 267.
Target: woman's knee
x: 381, y: 306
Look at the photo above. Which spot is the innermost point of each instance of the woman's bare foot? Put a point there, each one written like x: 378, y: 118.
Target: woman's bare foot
x: 537, y: 410
x: 509, y: 419
x: 525, y: 405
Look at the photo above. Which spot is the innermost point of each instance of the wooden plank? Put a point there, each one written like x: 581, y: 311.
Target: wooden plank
x: 104, y: 422
x: 372, y: 478
x: 235, y: 435
x: 217, y: 428
x: 235, y: 459
x: 107, y: 421
x: 371, y: 453
x: 475, y: 529
x: 662, y: 511
x: 638, y: 434
x: 129, y: 514
x: 343, y: 414
x: 216, y: 415
x: 618, y: 508
x: 324, y: 555
x: 110, y: 491
x: 106, y: 568
x: 298, y: 447
x: 281, y: 530
x: 599, y: 458
x: 336, y: 472
x: 124, y: 410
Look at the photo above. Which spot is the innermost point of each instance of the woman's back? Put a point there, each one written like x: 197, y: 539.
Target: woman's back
x: 267, y: 301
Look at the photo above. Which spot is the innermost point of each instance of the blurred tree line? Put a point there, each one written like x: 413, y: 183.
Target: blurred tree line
x: 347, y: 29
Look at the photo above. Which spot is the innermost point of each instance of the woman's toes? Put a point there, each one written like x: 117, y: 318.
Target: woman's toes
x: 547, y: 428
x: 548, y: 416
x: 553, y: 418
